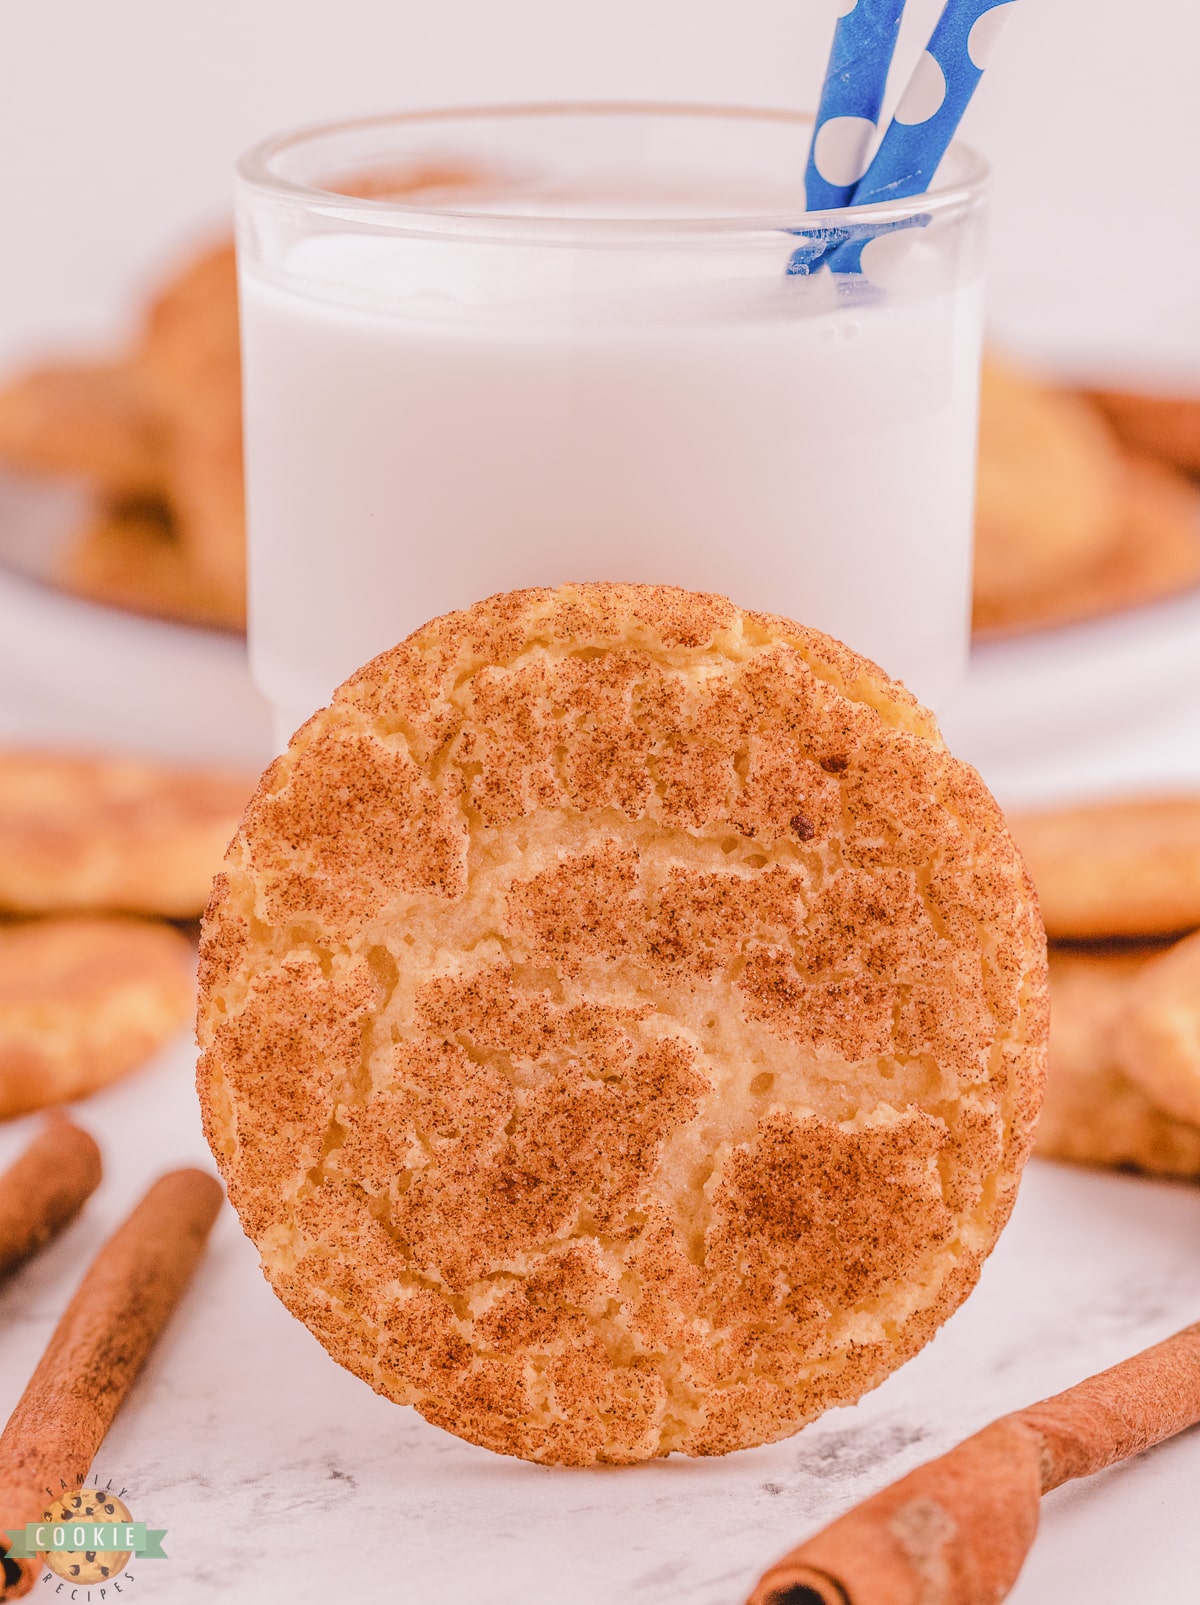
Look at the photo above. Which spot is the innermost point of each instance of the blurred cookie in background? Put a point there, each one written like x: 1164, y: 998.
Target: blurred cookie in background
x: 1126, y: 867
x: 80, y: 832
x: 1116, y: 880
x: 1158, y: 1038
x: 1166, y: 427
x: 1156, y: 555
x: 85, y: 999
x: 156, y: 436
x: 93, y: 420
x: 189, y: 366
x: 1093, y: 1114
x: 131, y: 557
x: 1070, y: 525
x: 1050, y: 490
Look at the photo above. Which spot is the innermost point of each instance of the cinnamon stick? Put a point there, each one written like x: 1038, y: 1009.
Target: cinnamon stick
x: 44, y: 1189
x: 956, y: 1531
x: 97, y: 1349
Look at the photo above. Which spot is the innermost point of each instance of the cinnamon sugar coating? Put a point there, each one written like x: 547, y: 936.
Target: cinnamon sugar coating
x: 1119, y: 867
x: 623, y: 1024
x: 1158, y: 1038
x: 1094, y: 1113
x: 87, y: 832
x: 85, y: 999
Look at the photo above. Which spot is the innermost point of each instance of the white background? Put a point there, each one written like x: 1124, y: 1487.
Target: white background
x: 120, y: 121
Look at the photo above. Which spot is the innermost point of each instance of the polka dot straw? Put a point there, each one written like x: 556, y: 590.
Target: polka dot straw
x: 921, y: 129
x: 932, y: 105
x: 851, y: 97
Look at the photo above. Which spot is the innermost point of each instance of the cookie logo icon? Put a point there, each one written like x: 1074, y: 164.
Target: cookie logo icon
x: 86, y: 1536
x: 83, y: 1514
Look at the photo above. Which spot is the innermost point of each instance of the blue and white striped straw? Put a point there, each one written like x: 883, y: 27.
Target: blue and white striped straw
x: 934, y: 101
x: 864, y: 41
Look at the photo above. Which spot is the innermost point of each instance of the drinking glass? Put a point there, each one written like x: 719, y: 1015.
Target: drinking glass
x: 512, y: 347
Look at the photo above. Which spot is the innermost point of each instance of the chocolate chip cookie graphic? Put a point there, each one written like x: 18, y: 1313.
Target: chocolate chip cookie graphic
x: 85, y: 1566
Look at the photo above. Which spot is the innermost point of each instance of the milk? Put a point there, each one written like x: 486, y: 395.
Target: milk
x: 427, y: 424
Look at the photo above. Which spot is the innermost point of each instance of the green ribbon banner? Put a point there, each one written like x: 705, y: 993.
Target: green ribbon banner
x: 78, y: 1537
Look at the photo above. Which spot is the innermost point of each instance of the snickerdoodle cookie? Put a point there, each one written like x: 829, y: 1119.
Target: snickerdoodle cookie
x: 84, y: 999
x: 111, y: 833
x: 1049, y: 492
x: 623, y: 1024
x: 89, y: 419
x: 1127, y: 867
x: 133, y: 558
x: 1158, y: 1039
x: 1157, y: 555
x: 189, y: 365
x: 1093, y: 1113
x: 1167, y: 427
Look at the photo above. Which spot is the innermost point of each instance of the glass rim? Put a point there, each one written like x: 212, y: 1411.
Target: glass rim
x: 256, y: 171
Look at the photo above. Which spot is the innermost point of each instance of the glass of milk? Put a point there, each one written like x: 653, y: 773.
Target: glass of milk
x: 514, y: 347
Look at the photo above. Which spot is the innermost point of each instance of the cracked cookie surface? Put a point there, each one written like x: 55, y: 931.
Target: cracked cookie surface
x: 623, y: 1024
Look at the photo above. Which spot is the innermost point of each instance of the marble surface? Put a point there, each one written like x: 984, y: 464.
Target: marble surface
x: 281, y: 1478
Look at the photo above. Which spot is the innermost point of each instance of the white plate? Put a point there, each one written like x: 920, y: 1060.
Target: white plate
x: 76, y: 672
x: 1109, y: 705
x: 1113, y: 704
